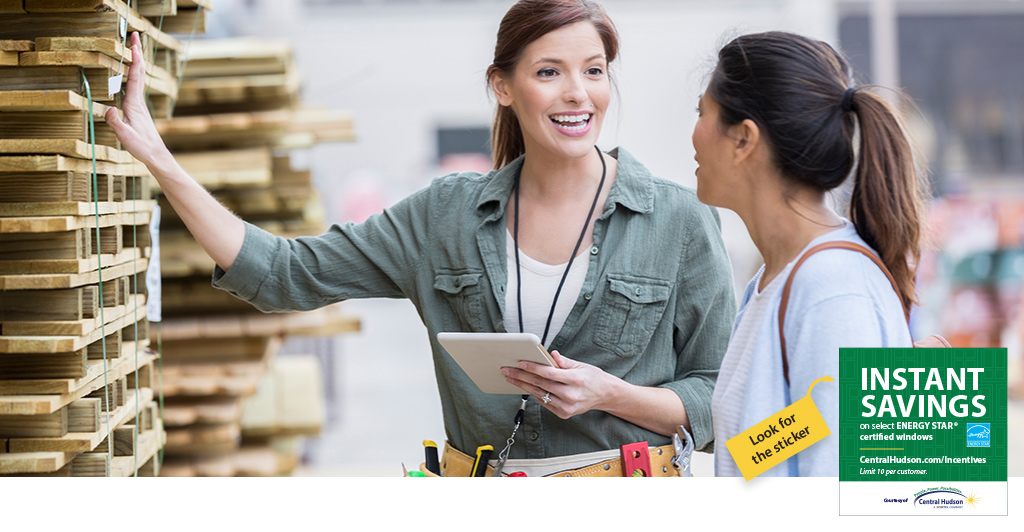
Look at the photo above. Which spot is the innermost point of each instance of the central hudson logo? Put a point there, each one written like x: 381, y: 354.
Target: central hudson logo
x: 945, y: 498
x: 978, y: 434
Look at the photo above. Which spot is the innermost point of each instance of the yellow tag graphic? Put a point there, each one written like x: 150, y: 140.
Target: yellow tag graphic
x: 779, y: 436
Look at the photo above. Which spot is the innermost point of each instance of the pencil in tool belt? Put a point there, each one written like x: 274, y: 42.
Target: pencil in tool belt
x: 483, y: 454
x: 430, y: 448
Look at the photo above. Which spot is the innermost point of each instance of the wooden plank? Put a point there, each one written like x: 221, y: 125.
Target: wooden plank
x: 68, y: 266
x: 84, y: 415
x: 55, y: 125
x: 73, y: 208
x: 52, y: 366
x: 68, y: 147
x: 60, y: 163
x: 8, y: 59
x: 70, y: 280
x: 92, y: 18
x: 42, y: 187
x: 52, y: 425
x: 125, y: 438
x: 81, y: 327
x: 23, y: 404
x: 108, y: 346
x: 65, y: 344
x: 36, y: 305
x: 82, y: 442
x: 229, y: 167
x: 59, y: 78
x: 48, y: 100
x: 42, y: 462
x: 15, y: 46
x: 157, y: 8
x: 186, y: 21
x: 75, y: 244
x: 112, y: 48
x: 53, y: 224
x: 91, y: 465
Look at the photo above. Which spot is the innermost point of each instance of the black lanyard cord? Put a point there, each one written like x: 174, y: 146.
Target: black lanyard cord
x: 520, y: 416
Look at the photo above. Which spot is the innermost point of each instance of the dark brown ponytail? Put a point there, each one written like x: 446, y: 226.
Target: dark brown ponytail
x: 798, y: 91
x: 886, y: 204
x: 525, y: 22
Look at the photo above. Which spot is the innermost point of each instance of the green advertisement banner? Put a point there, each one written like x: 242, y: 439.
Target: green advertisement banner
x: 922, y: 415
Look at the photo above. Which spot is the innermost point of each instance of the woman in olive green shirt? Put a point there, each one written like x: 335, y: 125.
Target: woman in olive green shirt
x: 645, y: 304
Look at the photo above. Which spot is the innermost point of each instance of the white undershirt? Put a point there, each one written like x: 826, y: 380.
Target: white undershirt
x: 539, y: 284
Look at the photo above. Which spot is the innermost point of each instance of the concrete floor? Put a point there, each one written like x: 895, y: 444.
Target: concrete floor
x: 387, y: 404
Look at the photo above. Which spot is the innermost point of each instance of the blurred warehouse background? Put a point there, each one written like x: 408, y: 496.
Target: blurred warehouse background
x: 411, y: 72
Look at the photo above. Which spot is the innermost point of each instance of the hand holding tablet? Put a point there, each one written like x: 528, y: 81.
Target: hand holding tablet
x: 482, y: 355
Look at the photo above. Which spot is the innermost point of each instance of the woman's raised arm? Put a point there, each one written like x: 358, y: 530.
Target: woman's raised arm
x: 217, y: 229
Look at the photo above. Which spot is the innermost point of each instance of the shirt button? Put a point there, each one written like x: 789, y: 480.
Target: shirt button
x: 458, y: 282
x: 534, y: 436
x: 593, y: 250
x: 639, y: 291
x: 587, y: 296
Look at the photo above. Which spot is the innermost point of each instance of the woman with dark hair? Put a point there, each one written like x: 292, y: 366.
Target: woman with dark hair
x: 634, y: 299
x: 776, y: 132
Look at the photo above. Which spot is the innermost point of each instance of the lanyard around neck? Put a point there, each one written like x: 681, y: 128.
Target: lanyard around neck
x: 520, y: 416
x: 565, y: 274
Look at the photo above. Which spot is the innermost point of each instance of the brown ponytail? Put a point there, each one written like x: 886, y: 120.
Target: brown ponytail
x: 525, y: 22
x: 886, y: 205
x: 797, y: 90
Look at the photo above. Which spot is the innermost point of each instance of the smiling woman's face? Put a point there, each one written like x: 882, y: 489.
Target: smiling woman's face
x: 560, y: 91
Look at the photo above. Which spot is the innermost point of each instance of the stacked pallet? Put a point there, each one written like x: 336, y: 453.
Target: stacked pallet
x: 76, y: 376
x: 236, y: 121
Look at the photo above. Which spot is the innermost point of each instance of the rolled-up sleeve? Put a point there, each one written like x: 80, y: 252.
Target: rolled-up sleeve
x: 375, y: 258
x: 704, y: 316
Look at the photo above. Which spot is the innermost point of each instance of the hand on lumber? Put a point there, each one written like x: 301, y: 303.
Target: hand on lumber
x: 218, y: 230
x: 136, y: 130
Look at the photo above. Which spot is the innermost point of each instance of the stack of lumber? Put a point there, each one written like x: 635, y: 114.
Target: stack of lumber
x: 288, y: 405
x: 237, y: 119
x: 213, y: 367
x: 51, y: 44
x: 77, y: 377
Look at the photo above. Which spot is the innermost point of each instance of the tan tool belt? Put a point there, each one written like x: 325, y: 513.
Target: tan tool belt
x: 455, y: 463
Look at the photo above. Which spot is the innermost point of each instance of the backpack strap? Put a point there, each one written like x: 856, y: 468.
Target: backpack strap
x: 835, y: 244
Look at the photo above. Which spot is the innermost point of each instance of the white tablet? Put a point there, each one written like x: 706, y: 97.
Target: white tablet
x: 482, y: 355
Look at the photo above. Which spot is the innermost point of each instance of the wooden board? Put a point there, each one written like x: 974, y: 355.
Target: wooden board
x: 83, y: 442
x: 44, y: 100
x: 28, y: 404
x: 81, y: 327
x: 22, y: 463
x: 229, y: 167
x: 16, y: 46
x: 77, y: 208
x: 112, y: 48
x: 69, y: 266
x: 186, y: 22
x: 60, y: 163
x: 68, y: 147
x: 53, y: 224
x: 52, y: 366
x: 81, y: 18
x: 66, y: 344
x: 70, y: 280
x: 66, y: 304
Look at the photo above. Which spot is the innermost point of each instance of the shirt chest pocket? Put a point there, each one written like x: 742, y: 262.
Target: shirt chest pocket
x: 630, y: 311
x: 464, y: 295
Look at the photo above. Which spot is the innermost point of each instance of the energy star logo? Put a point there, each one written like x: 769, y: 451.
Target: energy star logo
x: 978, y: 435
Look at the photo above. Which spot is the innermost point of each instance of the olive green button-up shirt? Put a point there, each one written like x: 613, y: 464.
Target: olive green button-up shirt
x: 656, y: 308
